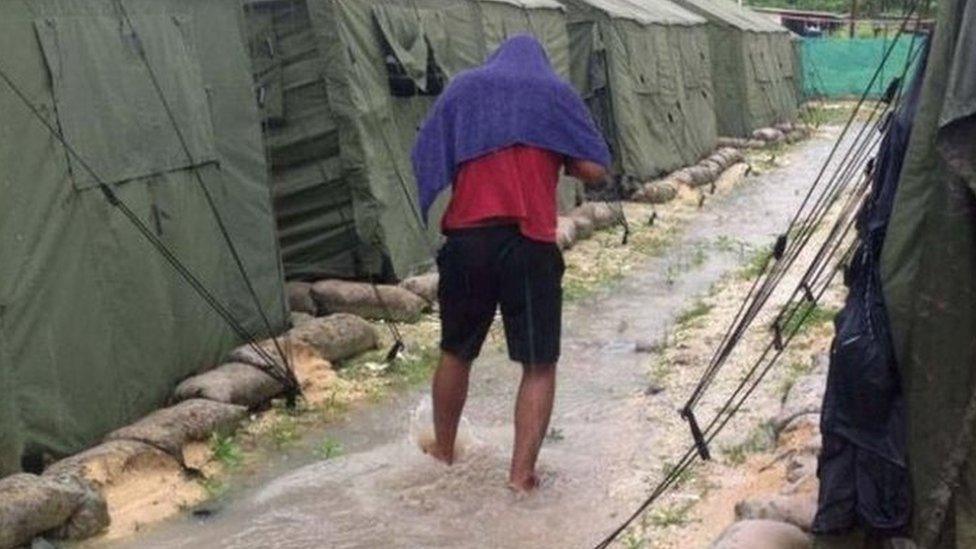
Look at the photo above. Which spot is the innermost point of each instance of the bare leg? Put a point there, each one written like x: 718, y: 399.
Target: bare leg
x: 450, y: 390
x: 532, y: 412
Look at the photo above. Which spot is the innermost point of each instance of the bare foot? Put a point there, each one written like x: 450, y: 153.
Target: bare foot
x: 525, y: 485
x: 432, y: 449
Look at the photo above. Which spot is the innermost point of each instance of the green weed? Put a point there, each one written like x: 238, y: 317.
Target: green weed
x: 793, y: 372
x: 555, y: 435
x: 760, y: 440
x: 329, y: 448
x: 756, y: 264
x: 284, y: 431
x: 226, y: 450
x: 415, y: 368
x: 213, y: 486
x: 806, y: 315
x: 688, y: 475
x: 676, y: 514
x: 698, y: 310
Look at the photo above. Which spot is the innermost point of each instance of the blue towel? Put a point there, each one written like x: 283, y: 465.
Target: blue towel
x: 514, y: 98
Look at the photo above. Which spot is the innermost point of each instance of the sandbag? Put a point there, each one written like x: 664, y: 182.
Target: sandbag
x: 104, y: 464
x: 232, y: 383
x: 376, y: 302
x: 337, y: 337
x: 31, y: 505
x: 270, y: 359
x: 762, y: 534
x: 600, y: 213
x: 732, y: 156
x: 90, y: 516
x: 584, y: 225
x: 768, y: 135
x: 169, y: 429
x: 797, y: 509
x: 424, y: 286
x: 756, y: 144
x: 735, y: 142
x: 784, y: 127
x: 683, y: 177
x: 700, y: 175
x: 657, y: 192
x: 719, y: 160
x: 300, y: 297
x: 565, y: 233
x: 297, y: 319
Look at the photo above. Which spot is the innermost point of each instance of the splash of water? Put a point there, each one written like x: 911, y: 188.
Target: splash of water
x: 420, y: 429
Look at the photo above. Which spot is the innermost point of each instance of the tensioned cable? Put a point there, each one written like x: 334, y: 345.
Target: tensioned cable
x: 292, y: 387
x: 806, y: 230
x: 855, y: 166
x: 153, y: 239
x: 814, y: 283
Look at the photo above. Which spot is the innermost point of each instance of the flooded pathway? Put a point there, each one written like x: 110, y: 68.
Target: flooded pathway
x: 602, y: 457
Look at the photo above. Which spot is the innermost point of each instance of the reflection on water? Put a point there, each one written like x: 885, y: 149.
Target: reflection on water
x: 384, y: 492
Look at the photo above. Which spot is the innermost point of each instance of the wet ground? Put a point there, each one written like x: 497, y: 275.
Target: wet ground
x: 600, y: 460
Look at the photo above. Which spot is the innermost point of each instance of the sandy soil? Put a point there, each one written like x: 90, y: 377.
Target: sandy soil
x: 747, y: 462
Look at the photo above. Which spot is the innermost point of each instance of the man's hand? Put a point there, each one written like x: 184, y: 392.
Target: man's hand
x: 588, y: 172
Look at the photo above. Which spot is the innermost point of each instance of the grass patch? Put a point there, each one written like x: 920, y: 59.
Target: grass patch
x: 226, y: 450
x: 633, y: 540
x: 761, y: 439
x: 688, y: 475
x: 329, y: 448
x: 807, y: 315
x: 213, y: 486
x: 676, y: 514
x: 696, y: 311
x: 755, y: 264
x: 284, y: 431
x: 793, y: 372
x: 555, y: 435
x: 412, y: 369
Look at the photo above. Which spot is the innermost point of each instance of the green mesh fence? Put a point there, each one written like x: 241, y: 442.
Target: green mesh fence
x: 842, y: 67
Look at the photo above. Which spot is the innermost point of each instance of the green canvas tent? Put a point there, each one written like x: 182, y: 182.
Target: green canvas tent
x: 929, y: 275
x: 644, y: 69
x: 753, y: 67
x: 95, y: 327
x: 344, y: 85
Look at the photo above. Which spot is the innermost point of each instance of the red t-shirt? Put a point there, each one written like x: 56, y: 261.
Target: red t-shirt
x: 515, y: 184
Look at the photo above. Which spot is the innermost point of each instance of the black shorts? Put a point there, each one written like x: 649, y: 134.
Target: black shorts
x: 487, y: 267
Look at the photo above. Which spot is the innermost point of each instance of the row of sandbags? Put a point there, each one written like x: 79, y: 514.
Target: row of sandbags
x: 707, y: 171
x: 784, y: 132
x: 785, y: 518
x: 66, y: 501
x: 328, y: 316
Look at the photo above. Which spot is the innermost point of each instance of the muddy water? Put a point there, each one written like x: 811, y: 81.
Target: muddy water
x: 605, y: 453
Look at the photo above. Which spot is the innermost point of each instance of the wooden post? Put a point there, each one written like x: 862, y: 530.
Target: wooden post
x: 853, y: 16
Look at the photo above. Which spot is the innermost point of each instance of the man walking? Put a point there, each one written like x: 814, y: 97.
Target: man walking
x: 499, y: 136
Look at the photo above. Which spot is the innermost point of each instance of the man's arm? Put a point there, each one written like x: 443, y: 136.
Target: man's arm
x: 588, y: 172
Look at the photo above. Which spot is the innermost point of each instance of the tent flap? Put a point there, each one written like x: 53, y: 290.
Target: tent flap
x: 108, y: 106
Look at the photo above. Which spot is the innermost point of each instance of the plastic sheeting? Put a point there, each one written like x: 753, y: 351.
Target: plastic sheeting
x: 95, y: 327
x: 863, y: 468
x: 840, y: 67
x: 928, y: 266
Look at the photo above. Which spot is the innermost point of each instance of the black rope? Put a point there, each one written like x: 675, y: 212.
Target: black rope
x: 813, y: 284
x: 181, y: 269
x: 293, y: 387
